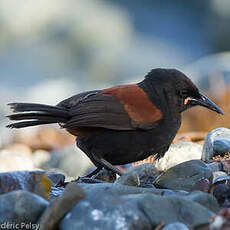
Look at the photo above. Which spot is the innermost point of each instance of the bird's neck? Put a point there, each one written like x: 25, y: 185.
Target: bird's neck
x: 160, y: 96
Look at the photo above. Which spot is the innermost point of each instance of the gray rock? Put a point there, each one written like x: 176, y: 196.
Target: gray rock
x: 178, y: 153
x: 130, y: 179
x: 56, y: 179
x: 105, y: 175
x: 220, y: 147
x: 141, y: 175
x: 21, y: 207
x: 204, y: 199
x: 222, y: 193
x: 70, y: 159
x: 175, y: 226
x: 134, y: 211
x: 61, y: 206
x: 106, y: 212
x: 119, y: 189
x: 56, y: 192
x: 32, y: 181
x: 173, y: 209
x: 215, y: 166
x: 216, y: 142
x: 184, y: 176
x: 221, y: 177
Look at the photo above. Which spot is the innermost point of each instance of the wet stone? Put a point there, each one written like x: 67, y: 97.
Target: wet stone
x: 184, y: 176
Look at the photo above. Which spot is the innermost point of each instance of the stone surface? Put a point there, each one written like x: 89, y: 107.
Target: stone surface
x: 216, y: 142
x: 222, y: 193
x: 21, y: 207
x: 130, y: 178
x: 33, y: 181
x: 221, y: 177
x: 57, y: 179
x: 105, y: 212
x: 178, y: 153
x: 172, y: 209
x: 70, y: 159
x: 221, y: 146
x: 133, y: 211
x: 119, y: 189
x: 204, y: 199
x: 61, y: 206
x: 105, y: 175
x: 175, y: 226
x: 215, y: 166
x: 142, y: 175
x: 39, y: 157
x: 184, y: 176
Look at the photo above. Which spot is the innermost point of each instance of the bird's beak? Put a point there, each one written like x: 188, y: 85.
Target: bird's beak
x: 205, y: 102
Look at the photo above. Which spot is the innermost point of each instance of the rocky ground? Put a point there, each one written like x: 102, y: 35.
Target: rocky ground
x: 187, y: 189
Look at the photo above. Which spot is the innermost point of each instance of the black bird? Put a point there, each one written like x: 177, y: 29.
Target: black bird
x: 122, y: 124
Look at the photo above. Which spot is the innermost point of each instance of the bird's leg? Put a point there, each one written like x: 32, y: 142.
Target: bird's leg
x: 98, y: 169
x: 108, y: 166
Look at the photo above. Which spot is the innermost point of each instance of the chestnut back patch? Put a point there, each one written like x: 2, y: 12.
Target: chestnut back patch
x: 136, y: 103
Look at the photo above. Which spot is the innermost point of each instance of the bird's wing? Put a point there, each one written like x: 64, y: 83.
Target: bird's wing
x: 125, y: 107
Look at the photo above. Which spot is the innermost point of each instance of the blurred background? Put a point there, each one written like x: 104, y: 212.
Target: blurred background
x: 50, y: 50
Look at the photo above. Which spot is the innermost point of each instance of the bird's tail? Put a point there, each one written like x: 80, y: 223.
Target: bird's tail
x: 32, y: 114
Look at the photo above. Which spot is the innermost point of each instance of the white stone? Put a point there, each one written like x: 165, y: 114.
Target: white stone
x: 178, y: 153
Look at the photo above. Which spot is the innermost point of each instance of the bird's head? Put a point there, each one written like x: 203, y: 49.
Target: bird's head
x: 180, y: 90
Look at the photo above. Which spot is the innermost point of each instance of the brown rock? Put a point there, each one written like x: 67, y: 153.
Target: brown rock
x: 47, y: 138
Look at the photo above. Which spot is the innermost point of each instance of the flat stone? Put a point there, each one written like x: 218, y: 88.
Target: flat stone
x: 184, y: 176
